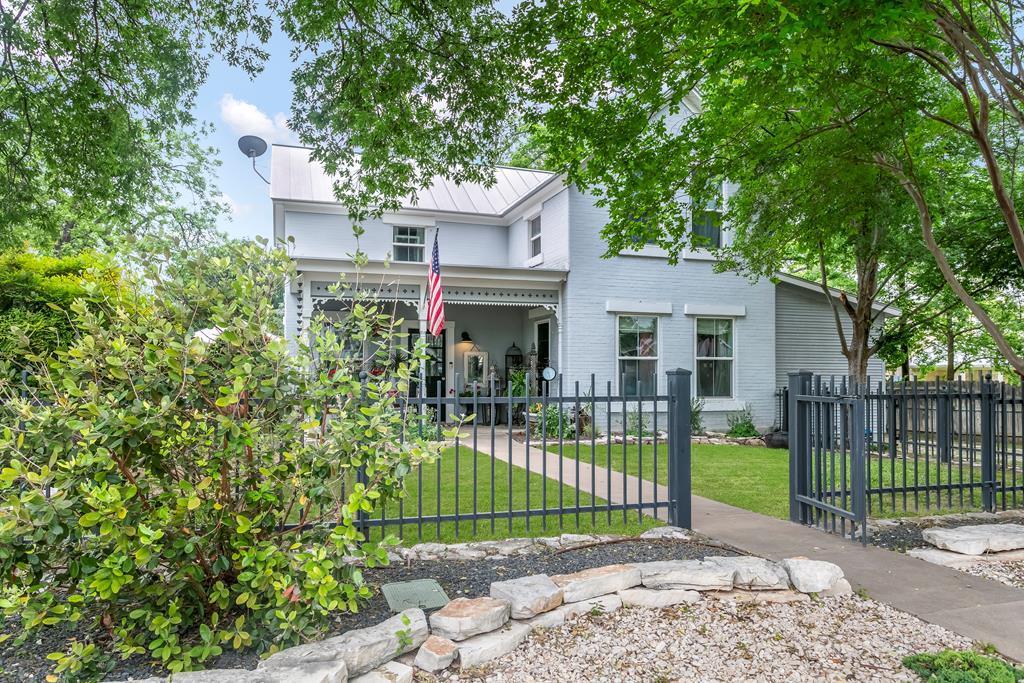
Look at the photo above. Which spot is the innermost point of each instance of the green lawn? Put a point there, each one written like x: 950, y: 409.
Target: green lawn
x: 423, y: 486
x: 757, y: 479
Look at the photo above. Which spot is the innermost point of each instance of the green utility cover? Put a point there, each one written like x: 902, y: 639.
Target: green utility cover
x: 422, y: 593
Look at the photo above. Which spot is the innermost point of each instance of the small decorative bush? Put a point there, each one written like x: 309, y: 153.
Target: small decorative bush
x: 950, y: 666
x: 551, y: 422
x: 637, y: 424
x: 741, y: 423
x: 696, y: 416
x: 203, y: 488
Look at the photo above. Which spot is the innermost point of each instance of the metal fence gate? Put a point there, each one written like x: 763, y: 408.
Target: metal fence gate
x: 899, y: 448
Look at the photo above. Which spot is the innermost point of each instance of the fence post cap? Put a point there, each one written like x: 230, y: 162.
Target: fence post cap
x: 679, y: 371
x: 800, y: 372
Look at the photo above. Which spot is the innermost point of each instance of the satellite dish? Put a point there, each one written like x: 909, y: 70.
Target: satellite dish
x: 252, y: 146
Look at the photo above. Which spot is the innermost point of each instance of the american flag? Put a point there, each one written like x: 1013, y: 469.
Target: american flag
x: 435, y: 302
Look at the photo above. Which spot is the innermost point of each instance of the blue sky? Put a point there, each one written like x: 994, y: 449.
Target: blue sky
x: 237, y: 105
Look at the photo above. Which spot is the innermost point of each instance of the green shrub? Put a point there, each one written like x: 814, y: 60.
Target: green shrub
x: 36, y: 293
x: 176, y: 459
x: 551, y: 422
x: 696, y: 416
x: 950, y: 666
x: 637, y: 424
x: 741, y: 423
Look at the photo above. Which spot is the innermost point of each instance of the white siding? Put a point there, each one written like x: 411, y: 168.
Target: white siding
x: 806, y: 337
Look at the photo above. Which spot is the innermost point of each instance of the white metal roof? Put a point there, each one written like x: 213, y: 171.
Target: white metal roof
x: 296, y: 177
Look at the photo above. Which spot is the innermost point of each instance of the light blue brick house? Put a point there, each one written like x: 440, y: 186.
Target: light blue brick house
x: 522, y: 266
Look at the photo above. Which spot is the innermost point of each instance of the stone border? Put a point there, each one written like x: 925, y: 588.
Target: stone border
x: 876, y: 523
x: 715, y: 438
x: 474, y: 631
x: 497, y: 550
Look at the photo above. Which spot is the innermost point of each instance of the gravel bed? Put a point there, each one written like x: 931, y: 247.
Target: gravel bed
x: 467, y: 577
x: 1010, y: 573
x: 834, y: 639
x: 904, y: 534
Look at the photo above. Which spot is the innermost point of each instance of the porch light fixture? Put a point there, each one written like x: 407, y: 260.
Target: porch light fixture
x: 466, y: 338
x: 513, y: 359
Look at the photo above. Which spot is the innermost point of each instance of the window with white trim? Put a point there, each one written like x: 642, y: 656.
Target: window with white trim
x: 637, y: 347
x: 534, y: 224
x: 408, y: 244
x: 715, y: 357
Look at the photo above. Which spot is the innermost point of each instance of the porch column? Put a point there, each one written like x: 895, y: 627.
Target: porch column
x: 305, y: 304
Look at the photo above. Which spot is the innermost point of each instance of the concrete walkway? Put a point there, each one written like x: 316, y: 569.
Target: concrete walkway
x: 986, y: 611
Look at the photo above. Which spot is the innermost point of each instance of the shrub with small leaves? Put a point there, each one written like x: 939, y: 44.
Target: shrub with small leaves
x: 183, y: 491
x: 741, y: 423
x: 951, y: 666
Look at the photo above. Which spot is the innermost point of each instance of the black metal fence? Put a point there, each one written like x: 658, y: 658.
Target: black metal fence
x: 580, y: 458
x: 898, y: 448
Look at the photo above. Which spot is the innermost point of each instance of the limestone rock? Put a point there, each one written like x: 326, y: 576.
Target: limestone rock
x: 977, y: 539
x: 839, y: 588
x: 436, y: 654
x: 591, y: 583
x: 556, y: 617
x: 362, y: 649
x: 753, y: 573
x: 947, y: 558
x: 392, y: 672
x: 762, y: 597
x: 484, y: 648
x: 812, y: 576
x: 686, y: 574
x: 645, y: 597
x: 667, y: 532
x: 529, y: 595
x: 466, y: 617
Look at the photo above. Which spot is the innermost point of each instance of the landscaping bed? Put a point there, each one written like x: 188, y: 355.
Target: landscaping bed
x: 458, y: 577
x: 908, y: 533
x: 841, y: 638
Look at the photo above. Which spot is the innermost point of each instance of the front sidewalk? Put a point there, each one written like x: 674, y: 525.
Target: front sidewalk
x: 986, y: 611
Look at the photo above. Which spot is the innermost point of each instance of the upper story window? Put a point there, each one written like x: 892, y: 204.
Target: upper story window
x: 408, y: 244
x: 638, y: 354
x: 715, y: 357
x: 707, y: 229
x: 534, y: 224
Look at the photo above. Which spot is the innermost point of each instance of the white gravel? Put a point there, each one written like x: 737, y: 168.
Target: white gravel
x: 1010, y: 573
x: 833, y: 639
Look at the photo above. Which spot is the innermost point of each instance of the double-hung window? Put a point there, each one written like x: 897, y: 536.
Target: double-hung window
x: 534, y: 224
x: 408, y: 244
x: 715, y: 357
x: 707, y: 229
x: 638, y: 354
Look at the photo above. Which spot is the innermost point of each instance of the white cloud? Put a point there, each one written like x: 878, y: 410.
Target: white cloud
x: 236, y: 209
x: 246, y: 118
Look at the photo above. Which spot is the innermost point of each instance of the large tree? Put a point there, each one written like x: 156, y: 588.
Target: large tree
x: 95, y: 100
x: 649, y: 105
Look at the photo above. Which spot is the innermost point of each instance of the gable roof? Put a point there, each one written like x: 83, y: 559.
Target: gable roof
x: 294, y: 176
x: 813, y: 286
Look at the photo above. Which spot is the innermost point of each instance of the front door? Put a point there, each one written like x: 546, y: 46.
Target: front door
x: 433, y: 370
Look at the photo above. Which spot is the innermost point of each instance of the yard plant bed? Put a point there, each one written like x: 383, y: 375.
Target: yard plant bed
x: 458, y: 578
x: 905, y: 534
x: 845, y: 638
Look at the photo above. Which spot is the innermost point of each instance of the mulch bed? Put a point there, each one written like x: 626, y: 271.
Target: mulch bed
x: 458, y: 578
x: 908, y: 533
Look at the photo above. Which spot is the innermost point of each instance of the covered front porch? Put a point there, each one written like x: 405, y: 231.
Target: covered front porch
x: 500, y: 324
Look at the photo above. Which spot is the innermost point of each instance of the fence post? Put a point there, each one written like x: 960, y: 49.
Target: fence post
x: 988, y: 445
x: 858, y: 466
x: 799, y: 442
x: 679, y: 448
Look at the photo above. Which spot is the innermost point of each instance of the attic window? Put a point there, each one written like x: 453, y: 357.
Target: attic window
x: 535, y: 236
